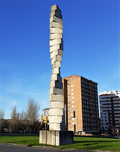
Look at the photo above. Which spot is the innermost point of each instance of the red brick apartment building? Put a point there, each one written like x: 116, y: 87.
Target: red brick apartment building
x: 81, y: 104
x: 110, y: 111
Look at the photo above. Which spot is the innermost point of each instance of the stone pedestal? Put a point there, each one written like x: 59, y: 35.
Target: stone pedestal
x: 56, y: 138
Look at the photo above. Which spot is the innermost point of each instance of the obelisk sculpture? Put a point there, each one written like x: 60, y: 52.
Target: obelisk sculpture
x: 56, y: 93
x: 56, y: 135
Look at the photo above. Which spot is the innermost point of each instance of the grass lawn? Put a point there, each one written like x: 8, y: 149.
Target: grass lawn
x: 29, y: 140
x: 92, y: 143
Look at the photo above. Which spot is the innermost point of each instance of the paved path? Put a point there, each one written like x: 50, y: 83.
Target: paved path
x: 15, y: 148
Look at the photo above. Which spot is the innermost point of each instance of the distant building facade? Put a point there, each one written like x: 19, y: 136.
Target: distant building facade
x: 41, y: 119
x: 110, y: 111
x: 81, y: 104
x: 45, y: 112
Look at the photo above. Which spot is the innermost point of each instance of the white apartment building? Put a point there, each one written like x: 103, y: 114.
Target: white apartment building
x: 110, y: 111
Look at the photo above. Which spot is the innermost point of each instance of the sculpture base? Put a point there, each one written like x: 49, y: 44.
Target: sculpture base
x: 56, y: 138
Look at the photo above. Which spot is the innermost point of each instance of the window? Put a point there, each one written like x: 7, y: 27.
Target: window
x: 71, y: 85
x: 72, y: 106
x: 71, y: 81
x: 72, y: 101
x: 71, y: 93
x: 72, y: 97
x: 71, y: 89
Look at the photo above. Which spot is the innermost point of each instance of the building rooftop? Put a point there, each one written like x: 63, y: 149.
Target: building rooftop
x: 79, y: 76
x: 114, y: 92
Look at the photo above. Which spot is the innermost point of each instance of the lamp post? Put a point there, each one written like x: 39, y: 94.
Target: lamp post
x: 45, y: 121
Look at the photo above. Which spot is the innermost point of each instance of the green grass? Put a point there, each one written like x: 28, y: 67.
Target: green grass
x: 91, y: 143
x: 28, y: 140
x: 94, y: 143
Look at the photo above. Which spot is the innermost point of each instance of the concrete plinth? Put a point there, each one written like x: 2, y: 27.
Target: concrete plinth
x: 56, y: 138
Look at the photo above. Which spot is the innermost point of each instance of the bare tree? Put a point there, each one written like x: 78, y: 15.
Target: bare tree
x: 1, y: 120
x: 14, y: 123
x: 22, y: 115
x: 23, y: 121
x: 32, y: 111
x: 1, y: 114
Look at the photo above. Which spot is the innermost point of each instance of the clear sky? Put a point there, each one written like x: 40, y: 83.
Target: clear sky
x: 91, y: 37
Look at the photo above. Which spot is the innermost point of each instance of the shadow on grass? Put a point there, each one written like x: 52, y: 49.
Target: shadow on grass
x: 94, y: 136
x: 98, y: 141
x: 20, y: 135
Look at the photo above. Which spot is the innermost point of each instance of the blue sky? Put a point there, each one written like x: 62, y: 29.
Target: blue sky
x: 91, y: 37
